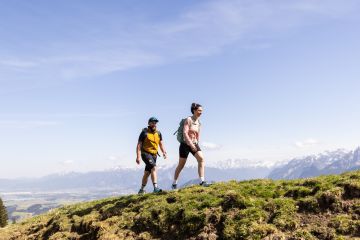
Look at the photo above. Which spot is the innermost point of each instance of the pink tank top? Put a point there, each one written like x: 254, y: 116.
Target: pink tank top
x: 191, y: 131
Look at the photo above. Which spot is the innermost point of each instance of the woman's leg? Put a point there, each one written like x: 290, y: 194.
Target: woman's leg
x: 201, y: 165
x: 179, y: 167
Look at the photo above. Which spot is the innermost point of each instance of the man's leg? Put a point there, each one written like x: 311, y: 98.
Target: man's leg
x: 144, y: 181
x: 145, y: 178
x: 154, y: 180
x: 154, y: 176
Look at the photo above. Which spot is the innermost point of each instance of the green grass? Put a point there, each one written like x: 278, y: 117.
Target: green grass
x: 326, y: 207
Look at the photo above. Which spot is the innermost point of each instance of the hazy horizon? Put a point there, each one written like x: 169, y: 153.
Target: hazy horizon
x: 79, y: 80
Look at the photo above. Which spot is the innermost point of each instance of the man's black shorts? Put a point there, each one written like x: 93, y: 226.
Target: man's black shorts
x: 149, y: 160
x: 185, y: 149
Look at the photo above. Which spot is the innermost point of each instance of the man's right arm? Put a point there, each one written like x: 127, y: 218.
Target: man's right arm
x: 138, y: 152
x: 139, y: 146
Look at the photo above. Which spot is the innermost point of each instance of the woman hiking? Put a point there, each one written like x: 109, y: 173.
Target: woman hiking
x: 190, y: 144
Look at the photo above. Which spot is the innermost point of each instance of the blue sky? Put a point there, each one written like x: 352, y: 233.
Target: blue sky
x: 79, y: 79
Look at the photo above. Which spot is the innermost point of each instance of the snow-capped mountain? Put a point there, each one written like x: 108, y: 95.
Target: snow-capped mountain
x: 128, y: 179
x: 329, y: 162
x: 240, y: 163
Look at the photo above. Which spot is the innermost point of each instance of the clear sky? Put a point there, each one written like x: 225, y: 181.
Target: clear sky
x: 79, y: 79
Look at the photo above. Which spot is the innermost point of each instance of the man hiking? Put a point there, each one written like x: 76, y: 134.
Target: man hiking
x: 147, y: 148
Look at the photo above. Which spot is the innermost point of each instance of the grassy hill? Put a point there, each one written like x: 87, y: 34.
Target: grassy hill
x: 326, y: 207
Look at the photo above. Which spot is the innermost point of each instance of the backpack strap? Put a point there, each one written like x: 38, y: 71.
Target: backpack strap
x: 192, y: 121
x: 145, y: 131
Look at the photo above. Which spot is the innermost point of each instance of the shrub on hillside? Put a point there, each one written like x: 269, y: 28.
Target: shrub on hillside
x: 3, y: 214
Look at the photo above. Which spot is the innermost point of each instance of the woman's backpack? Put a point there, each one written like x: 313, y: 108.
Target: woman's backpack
x: 180, y: 131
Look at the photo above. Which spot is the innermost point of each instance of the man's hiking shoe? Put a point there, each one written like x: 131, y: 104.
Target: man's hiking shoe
x: 204, y: 184
x: 157, y: 190
x: 141, y: 191
x: 174, y: 186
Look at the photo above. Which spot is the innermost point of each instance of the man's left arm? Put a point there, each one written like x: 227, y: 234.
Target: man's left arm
x: 161, y: 144
x: 162, y: 147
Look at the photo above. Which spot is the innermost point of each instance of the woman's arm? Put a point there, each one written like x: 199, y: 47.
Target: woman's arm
x: 198, y: 135
x: 186, y: 133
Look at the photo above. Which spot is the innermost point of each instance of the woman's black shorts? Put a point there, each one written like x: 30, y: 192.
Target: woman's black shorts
x: 185, y: 149
x: 149, y: 160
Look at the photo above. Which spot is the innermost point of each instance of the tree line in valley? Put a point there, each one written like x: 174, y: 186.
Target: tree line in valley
x: 3, y: 214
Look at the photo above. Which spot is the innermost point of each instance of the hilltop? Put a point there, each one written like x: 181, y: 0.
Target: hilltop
x: 325, y: 207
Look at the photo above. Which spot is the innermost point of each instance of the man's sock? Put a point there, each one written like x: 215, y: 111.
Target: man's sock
x: 143, y: 186
x: 155, y: 185
x: 202, y: 179
x: 175, y: 182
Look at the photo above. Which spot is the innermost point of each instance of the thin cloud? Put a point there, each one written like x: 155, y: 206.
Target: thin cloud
x: 306, y: 143
x: 116, y: 158
x: 206, y: 29
x: 210, y: 146
x: 27, y: 124
x: 15, y: 63
x: 68, y: 115
x: 67, y: 163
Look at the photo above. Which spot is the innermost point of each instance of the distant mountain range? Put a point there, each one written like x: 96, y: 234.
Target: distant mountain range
x: 330, y: 162
x: 124, y: 179
x: 128, y: 180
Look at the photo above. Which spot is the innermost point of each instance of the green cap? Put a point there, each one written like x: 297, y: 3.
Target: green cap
x: 153, y: 119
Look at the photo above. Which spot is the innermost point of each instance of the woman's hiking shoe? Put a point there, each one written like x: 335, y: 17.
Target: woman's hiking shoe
x: 141, y: 191
x: 157, y: 190
x: 204, y: 184
x: 174, y: 186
